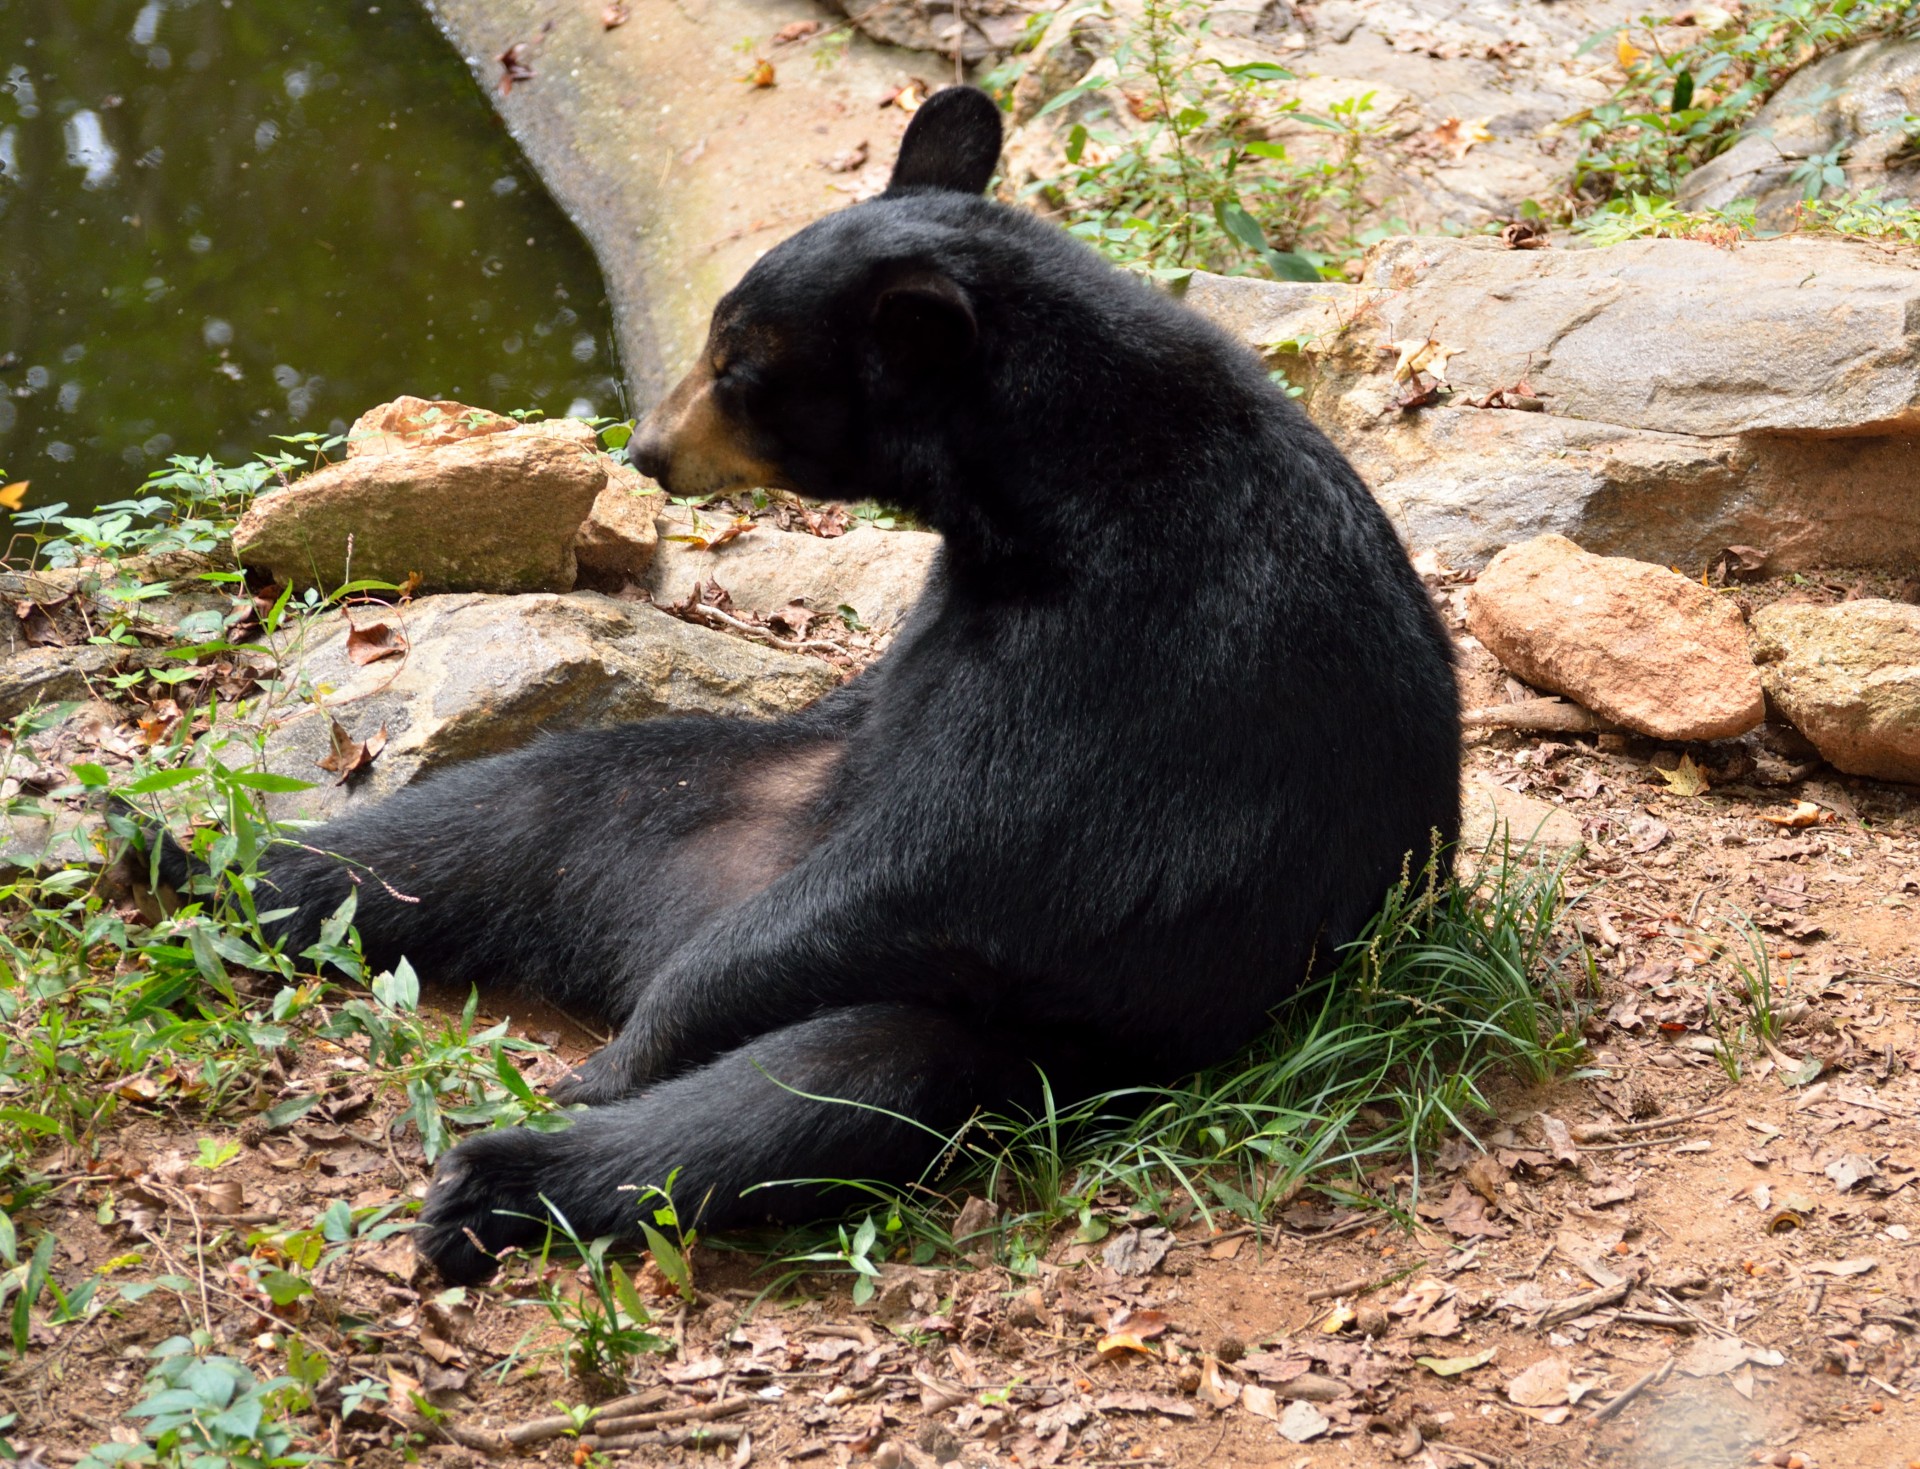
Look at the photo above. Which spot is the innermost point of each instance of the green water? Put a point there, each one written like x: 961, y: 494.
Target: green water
x: 222, y: 220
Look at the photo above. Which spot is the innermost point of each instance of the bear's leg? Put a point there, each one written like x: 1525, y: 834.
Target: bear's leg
x: 574, y: 866
x: 738, y: 1121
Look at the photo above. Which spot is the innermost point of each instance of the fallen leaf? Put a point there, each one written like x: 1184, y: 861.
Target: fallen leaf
x: 374, y: 641
x: 1260, y: 1401
x: 1137, y: 1251
x: 795, y: 30
x: 1144, y: 1402
x: 1215, y: 1391
x: 1626, y: 53
x: 1804, y: 813
x: 1858, y: 1266
x: 14, y: 496
x: 1454, y: 1366
x: 1541, y: 1385
x: 1425, y: 355
x: 1685, y: 779
x: 761, y: 75
x: 1850, y: 1171
x: 738, y: 527
x: 1302, y: 1421
x: 614, y: 16
x: 852, y: 159
x: 514, y: 67
x: 1457, y: 136
x: 348, y: 755
x: 1711, y: 1356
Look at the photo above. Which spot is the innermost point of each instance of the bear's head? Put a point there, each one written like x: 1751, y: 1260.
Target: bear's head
x: 839, y: 331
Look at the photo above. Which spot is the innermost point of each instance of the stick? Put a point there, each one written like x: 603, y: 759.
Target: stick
x: 1633, y: 1390
x: 539, y: 1430
x: 1593, y: 1132
x: 1593, y: 1300
x: 704, y: 1413
x: 698, y: 1435
x: 1362, y: 1286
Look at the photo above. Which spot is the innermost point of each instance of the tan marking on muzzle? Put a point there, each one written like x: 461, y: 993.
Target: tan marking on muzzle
x: 704, y: 452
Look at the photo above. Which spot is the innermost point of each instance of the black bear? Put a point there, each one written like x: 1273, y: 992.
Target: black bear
x: 1172, y: 715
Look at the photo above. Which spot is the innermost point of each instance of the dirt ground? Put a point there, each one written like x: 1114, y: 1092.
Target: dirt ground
x: 1651, y: 1265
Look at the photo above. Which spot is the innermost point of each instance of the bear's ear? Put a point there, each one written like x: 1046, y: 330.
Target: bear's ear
x: 952, y: 143
x: 923, y: 320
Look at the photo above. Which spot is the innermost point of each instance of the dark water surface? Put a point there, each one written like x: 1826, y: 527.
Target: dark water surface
x: 222, y: 220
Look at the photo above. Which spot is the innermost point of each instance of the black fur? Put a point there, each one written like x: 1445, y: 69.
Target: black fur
x: 1172, y: 715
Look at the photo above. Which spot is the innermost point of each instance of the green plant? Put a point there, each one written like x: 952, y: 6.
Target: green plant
x: 1680, y: 104
x: 209, y: 1412
x: 1187, y: 178
x: 1638, y: 217
x: 1864, y: 215
x: 607, y: 1322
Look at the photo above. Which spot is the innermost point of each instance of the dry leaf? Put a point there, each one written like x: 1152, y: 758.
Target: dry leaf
x: 14, y: 496
x: 349, y: 755
x: 374, y: 641
x: 1302, y: 1421
x: 1260, y: 1401
x: 1454, y: 1366
x: 1457, y: 137
x: 614, y: 16
x: 1215, y: 1391
x: 1685, y: 779
x: 795, y: 30
x: 1625, y: 52
x: 761, y: 75
x: 1804, y: 813
x: 1144, y: 1402
x: 1858, y: 1266
x: 1424, y: 355
x: 738, y: 527
x: 1137, y: 1251
x: 1542, y: 1385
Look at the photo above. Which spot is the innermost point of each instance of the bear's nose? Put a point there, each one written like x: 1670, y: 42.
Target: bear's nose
x: 648, y: 452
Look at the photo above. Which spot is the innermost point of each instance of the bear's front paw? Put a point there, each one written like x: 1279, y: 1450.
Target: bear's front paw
x: 610, y: 1073
x: 484, y: 1200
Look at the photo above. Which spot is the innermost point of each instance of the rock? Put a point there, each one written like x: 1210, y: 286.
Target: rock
x: 415, y: 423
x: 1493, y: 817
x: 977, y: 31
x: 878, y: 573
x: 1855, y: 99
x: 1848, y: 677
x: 1693, y: 398
x: 53, y: 676
x: 1637, y: 644
x: 30, y: 842
x: 615, y: 544
x: 483, y: 674
x: 495, y: 512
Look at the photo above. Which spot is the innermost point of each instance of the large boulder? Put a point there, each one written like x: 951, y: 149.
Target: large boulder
x: 1637, y: 644
x: 878, y: 573
x: 1848, y: 676
x: 1857, y: 100
x: 1660, y: 399
x: 494, y: 511
x: 466, y: 675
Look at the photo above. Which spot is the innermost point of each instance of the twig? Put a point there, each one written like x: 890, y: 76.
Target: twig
x: 1657, y: 1318
x: 1715, y: 1327
x: 1593, y: 1132
x: 696, y: 1436
x: 539, y: 1430
x: 1638, y: 1142
x: 1633, y: 1390
x: 1214, y: 1239
x: 704, y: 1413
x: 791, y: 645
x: 1479, y: 1456
x: 1364, y: 1285
x: 1580, y: 1305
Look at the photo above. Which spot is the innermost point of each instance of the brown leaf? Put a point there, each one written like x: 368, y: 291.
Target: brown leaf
x: 795, y: 30
x: 1541, y: 1385
x: 1137, y: 1251
x: 374, y: 641
x: 614, y: 16
x: 1144, y: 1402
x: 348, y: 755
x: 1215, y: 1391
x: 514, y: 67
x: 850, y: 160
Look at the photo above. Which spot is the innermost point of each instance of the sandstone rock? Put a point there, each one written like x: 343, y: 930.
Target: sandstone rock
x: 1492, y: 817
x: 497, y: 512
x: 616, y: 542
x: 1855, y: 98
x: 417, y: 423
x: 482, y: 674
x: 1693, y: 398
x: 1637, y: 644
x: 878, y: 573
x: 1848, y: 677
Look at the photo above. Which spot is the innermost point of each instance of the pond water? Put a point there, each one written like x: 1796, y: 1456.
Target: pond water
x: 222, y: 220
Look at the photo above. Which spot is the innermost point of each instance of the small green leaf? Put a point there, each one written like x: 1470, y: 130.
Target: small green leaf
x: 1682, y: 92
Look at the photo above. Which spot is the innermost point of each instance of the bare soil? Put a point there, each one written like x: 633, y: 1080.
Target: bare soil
x: 1739, y: 1257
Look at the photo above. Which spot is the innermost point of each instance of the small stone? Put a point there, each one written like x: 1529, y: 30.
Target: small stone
x: 1636, y: 643
x: 616, y: 542
x: 1848, y: 677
